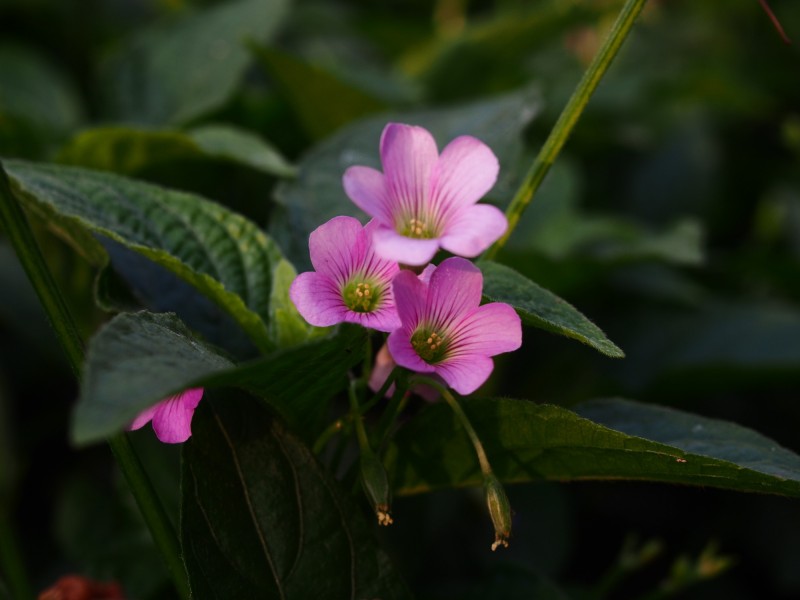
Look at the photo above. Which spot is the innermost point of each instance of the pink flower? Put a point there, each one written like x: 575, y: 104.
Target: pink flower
x: 445, y: 330
x: 383, y: 367
x: 423, y: 201
x: 351, y: 283
x: 172, y: 418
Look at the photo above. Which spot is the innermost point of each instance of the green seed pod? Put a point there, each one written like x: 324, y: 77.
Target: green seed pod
x: 499, y: 510
x: 376, y: 486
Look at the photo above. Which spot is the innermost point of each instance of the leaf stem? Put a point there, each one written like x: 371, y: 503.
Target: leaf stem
x: 19, y: 233
x: 568, y: 119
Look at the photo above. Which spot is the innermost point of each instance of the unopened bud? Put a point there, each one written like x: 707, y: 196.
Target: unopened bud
x: 376, y: 486
x: 499, y: 510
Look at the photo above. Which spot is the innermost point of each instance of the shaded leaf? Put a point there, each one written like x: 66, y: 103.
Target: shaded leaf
x: 127, y: 150
x: 303, y: 85
x: 530, y: 442
x: 317, y: 194
x: 541, y: 308
x: 261, y: 519
x: 141, y: 358
x: 37, y: 104
x: 244, y: 147
x: 729, y: 342
x: 222, y: 254
x: 178, y: 70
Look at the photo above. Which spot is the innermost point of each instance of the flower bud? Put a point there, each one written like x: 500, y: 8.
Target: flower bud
x: 499, y: 510
x: 376, y: 486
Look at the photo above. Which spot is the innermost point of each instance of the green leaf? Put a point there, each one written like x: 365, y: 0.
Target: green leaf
x: 239, y: 145
x: 37, y: 104
x: 261, y: 519
x: 303, y: 85
x: 139, y: 359
x: 222, y: 254
x: 128, y: 151
x: 543, y: 309
x: 178, y: 70
x: 287, y: 327
x: 530, y: 442
x: 133, y: 362
x: 317, y: 194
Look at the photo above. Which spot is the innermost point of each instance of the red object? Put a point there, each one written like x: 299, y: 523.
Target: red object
x: 75, y: 587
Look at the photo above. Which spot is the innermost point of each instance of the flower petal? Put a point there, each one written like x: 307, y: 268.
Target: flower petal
x: 410, y: 297
x: 144, y: 418
x: 383, y: 319
x: 336, y: 247
x: 408, y: 155
x: 318, y: 299
x: 491, y: 329
x: 466, y: 374
x: 465, y: 172
x: 366, y: 187
x: 455, y: 288
x: 473, y: 230
x: 409, y: 251
x: 172, y: 421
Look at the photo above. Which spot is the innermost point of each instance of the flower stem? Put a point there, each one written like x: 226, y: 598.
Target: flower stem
x: 568, y: 119
x: 486, y: 468
x: 18, y: 230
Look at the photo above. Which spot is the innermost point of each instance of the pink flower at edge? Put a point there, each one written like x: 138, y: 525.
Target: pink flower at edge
x: 445, y: 330
x: 172, y: 418
x: 423, y: 200
x: 350, y: 282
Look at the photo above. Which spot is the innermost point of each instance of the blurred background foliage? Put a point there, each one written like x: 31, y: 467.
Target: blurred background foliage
x: 672, y: 219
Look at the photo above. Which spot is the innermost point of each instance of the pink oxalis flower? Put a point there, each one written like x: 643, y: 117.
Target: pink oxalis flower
x: 423, y: 200
x: 172, y: 418
x: 350, y: 282
x: 445, y: 330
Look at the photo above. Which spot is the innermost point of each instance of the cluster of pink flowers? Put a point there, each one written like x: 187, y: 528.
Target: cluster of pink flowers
x: 421, y: 202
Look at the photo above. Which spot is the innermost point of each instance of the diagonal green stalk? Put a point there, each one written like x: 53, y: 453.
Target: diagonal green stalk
x: 19, y: 232
x: 568, y: 119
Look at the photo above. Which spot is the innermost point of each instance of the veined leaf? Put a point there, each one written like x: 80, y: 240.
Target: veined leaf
x: 260, y: 517
x: 528, y: 442
x: 541, y: 308
x: 178, y: 70
x: 141, y: 358
x: 222, y: 254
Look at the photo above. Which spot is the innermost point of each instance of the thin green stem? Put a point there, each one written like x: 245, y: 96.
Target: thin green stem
x: 19, y: 233
x: 486, y: 468
x: 568, y: 119
x: 396, y: 405
x: 21, y: 237
x: 355, y: 415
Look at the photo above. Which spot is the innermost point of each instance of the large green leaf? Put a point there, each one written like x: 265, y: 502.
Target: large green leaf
x: 541, y: 308
x: 317, y: 194
x: 261, y: 519
x: 127, y: 150
x: 222, y: 254
x: 529, y: 442
x: 178, y: 70
x: 140, y: 358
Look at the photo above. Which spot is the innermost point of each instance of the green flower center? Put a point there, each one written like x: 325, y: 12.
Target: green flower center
x: 416, y: 228
x: 429, y: 345
x: 361, y: 296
